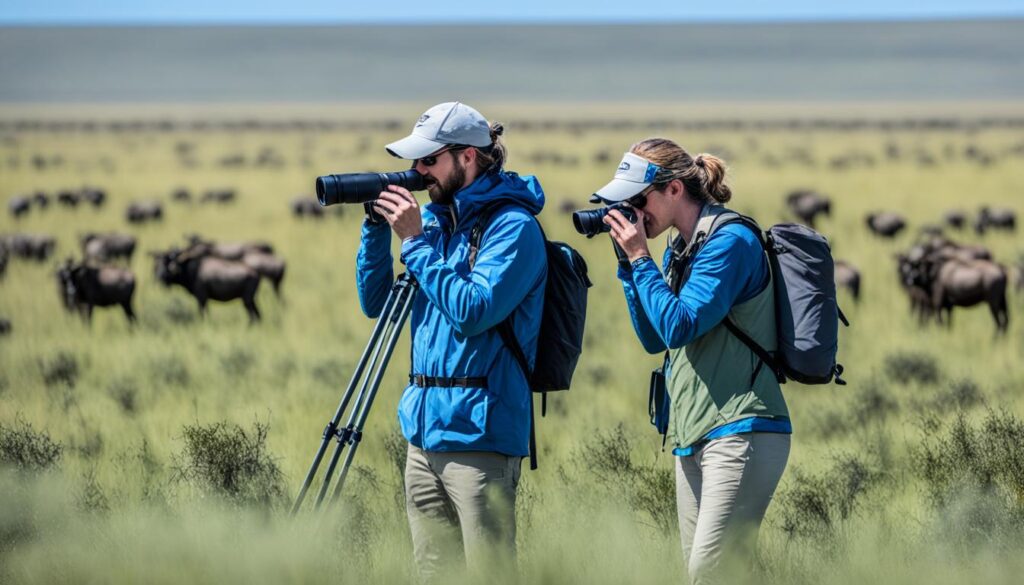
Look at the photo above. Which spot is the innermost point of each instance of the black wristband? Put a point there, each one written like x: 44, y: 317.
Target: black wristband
x: 372, y: 217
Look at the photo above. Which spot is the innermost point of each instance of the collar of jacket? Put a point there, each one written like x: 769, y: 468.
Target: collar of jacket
x: 488, y: 188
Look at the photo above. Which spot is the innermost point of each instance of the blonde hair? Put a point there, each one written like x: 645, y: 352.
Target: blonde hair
x: 703, y: 176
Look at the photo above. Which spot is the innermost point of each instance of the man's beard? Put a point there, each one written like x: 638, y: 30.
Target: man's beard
x: 443, y: 192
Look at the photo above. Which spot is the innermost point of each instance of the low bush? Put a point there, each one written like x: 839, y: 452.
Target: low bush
x: 226, y: 460
x: 59, y: 369
x: 906, y: 367
x: 27, y: 449
x: 813, y: 505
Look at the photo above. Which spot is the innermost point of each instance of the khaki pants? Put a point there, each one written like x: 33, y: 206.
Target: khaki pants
x: 722, y: 493
x: 461, y: 509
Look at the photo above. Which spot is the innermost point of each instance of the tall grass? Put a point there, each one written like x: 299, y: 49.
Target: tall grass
x: 130, y: 453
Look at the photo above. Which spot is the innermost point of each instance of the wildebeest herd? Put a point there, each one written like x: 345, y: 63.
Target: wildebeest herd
x: 937, y: 273
x: 207, y: 269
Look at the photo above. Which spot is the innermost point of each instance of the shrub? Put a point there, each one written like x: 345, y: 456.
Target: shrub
x: 648, y: 488
x: 125, y: 393
x: 237, y: 362
x: 26, y: 449
x: 180, y: 313
x: 812, y: 506
x: 62, y: 368
x: 226, y: 460
x: 330, y: 373
x: 906, y: 367
x: 171, y: 370
x: 90, y: 496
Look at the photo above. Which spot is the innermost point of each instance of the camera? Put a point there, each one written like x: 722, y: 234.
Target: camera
x: 590, y: 222
x: 364, y: 187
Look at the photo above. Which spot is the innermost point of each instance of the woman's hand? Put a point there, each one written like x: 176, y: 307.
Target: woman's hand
x: 631, y: 237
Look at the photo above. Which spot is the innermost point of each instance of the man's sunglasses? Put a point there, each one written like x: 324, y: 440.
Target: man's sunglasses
x: 429, y: 161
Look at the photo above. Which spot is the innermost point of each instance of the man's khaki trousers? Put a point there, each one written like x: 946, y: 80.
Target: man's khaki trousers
x: 461, y: 509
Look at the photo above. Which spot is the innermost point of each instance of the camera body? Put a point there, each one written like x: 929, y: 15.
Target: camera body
x: 364, y: 187
x: 590, y: 222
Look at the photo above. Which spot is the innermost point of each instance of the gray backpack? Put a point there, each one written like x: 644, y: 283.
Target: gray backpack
x: 806, y: 311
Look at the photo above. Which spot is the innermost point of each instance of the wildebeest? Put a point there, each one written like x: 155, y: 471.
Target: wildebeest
x: 3, y: 258
x: 143, y: 211
x: 106, y: 247
x: 19, y: 206
x: 208, y: 278
x: 218, y: 196
x: 5, y: 326
x: 937, y: 280
x: 848, y: 277
x: 885, y: 223
x: 999, y: 219
x: 959, y: 283
x: 955, y: 219
x: 84, y: 286
x: 68, y: 198
x: 29, y: 246
x: 807, y: 205
x: 181, y: 195
x: 42, y: 200
x: 95, y: 196
x: 567, y: 207
x: 257, y: 255
x: 306, y: 206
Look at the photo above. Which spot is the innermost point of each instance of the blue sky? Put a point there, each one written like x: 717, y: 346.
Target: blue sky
x: 426, y: 11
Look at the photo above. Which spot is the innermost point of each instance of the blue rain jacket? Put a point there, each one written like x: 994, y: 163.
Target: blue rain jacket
x: 456, y: 310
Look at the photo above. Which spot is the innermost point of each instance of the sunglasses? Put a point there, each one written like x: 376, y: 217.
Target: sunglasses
x: 429, y: 161
x: 639, y: 201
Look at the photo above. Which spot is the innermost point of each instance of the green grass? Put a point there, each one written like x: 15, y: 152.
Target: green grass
x: 131, y: 498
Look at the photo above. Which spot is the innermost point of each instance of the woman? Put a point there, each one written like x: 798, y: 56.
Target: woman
x: 728, y: 420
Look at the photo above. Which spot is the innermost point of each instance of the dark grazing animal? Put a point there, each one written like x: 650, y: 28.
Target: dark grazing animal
x: 42, y: 200
x: 955, y: 219
x: 19, y: 206
x: 29, y: 246
x: 848, y: 277
x: 3, y: 258
x: 208, y: 278
x: 218, y: 196
x: 257, y: 255
x: 885, y: 223
x: 306, y: 207
x: 806, y: 205
x: 998, y: 219
x: 5, y: 326
x: 143, y: 211
x: 68, y: 198
x: 95, y: 196
x: 84, y: 286
x: 107, y: 247
x: 961, y: 283
x: 181, y: 195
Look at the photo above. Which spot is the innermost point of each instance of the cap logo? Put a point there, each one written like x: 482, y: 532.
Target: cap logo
x: 422, y: 120
x: 624, y: 166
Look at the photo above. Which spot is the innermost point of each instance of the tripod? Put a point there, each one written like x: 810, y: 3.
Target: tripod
x: 374, y: 359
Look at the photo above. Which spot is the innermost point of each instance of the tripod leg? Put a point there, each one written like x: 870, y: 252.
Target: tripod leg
x: 357, y: 432
x: 331, y: 430
x: 395, y: 319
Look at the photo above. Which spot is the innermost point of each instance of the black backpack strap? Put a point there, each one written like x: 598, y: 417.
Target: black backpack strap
x: 763, y: 354
x: 508, y: 336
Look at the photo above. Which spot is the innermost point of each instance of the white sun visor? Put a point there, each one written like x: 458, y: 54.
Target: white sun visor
x: 634, y: 174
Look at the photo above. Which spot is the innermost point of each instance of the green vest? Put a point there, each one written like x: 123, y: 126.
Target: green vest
x: 711, y: 380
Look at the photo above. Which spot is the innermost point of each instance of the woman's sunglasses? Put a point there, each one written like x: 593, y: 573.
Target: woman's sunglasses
x: 429, y: 161
x: 639, y: 200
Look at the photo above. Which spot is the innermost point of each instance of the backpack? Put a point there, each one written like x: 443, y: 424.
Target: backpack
x: 562, y: 321
x: 806, y: 311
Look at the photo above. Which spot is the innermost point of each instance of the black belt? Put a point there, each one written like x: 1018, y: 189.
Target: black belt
x: 443, y: 382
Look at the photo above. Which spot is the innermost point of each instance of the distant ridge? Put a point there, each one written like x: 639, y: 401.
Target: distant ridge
x: 938, y: 60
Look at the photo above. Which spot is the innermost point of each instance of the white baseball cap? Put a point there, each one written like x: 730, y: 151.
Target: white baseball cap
x: 635, y: 173
x: 442, y: 125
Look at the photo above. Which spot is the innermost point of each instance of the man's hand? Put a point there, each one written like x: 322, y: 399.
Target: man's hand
x: 631, y: 237
x: 400, y: 209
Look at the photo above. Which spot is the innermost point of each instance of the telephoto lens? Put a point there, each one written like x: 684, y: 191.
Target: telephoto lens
x: 590, y: 222
x: 364, y: 187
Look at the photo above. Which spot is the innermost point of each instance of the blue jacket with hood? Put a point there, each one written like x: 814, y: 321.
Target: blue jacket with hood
x: 456, y: 310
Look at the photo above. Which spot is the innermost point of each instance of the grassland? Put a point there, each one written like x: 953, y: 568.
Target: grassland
x: 890, y: 479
